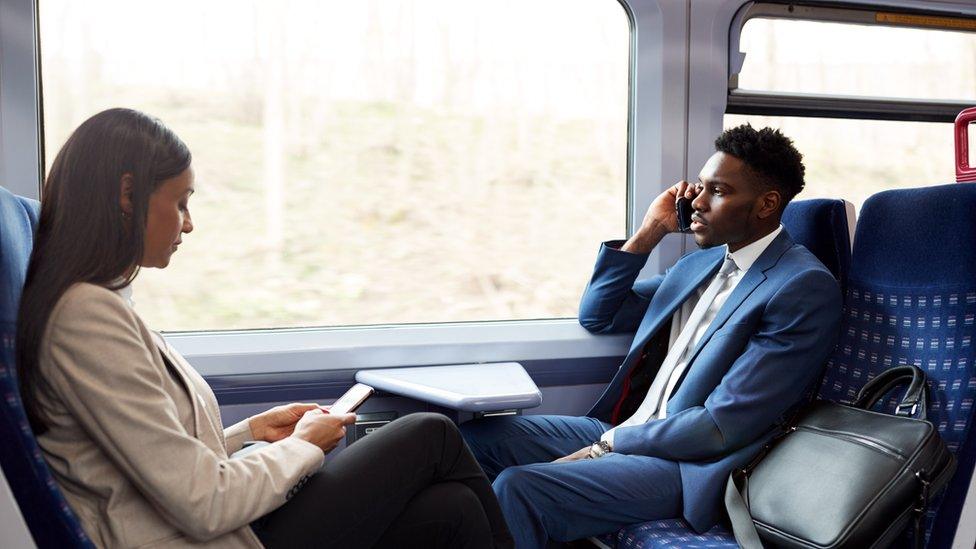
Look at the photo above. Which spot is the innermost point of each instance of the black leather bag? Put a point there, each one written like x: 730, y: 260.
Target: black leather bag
x: 843, y: 476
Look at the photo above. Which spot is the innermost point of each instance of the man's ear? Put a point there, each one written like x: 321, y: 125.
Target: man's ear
x: 768, y: 203
x: 125, y: 195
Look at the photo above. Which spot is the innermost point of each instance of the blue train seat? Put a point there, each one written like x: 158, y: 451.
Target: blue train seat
x: 822, y: 226
x: 50, y: 520
x: 911, y: 299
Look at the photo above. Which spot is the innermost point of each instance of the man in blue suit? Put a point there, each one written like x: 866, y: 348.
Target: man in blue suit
x: 726, y: 343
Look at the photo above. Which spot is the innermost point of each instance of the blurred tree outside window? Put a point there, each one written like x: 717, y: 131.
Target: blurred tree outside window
x: 367, y: 161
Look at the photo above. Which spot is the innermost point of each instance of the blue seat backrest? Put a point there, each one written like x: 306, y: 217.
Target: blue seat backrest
x: 911, y: 299
x: 821, y: 226
x: 44, y: 508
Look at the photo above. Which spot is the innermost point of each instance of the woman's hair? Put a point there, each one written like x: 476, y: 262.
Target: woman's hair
x: 82, y: 235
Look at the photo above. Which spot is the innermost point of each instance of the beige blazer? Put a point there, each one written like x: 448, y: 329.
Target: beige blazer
x: 140, y: 454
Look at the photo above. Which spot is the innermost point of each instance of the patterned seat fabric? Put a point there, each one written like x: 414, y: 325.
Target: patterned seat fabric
x: 821, y: 226
x: 42, y: 505
x: 669, y: 534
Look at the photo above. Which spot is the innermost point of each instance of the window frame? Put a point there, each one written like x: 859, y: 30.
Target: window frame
x: 21, y: 145
x: 656, y: 129
x: 811, y: 105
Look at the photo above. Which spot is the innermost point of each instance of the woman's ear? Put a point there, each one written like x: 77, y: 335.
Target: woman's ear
x: 125, y: 195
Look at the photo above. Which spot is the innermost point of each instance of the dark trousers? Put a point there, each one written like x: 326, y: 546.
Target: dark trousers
x: 412, y: 483
x: 562, y: 502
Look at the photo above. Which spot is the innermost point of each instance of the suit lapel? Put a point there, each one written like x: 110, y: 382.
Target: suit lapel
x: 695, y: 273
x: 755, y: 276
x: 183, y: 379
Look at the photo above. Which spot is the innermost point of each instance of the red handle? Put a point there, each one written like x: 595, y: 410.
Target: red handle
x: 964, y: 172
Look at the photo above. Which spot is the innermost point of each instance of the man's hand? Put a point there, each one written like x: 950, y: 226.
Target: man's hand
x: 583, y: 453
x: 278, y: 422
x: 660, y: 219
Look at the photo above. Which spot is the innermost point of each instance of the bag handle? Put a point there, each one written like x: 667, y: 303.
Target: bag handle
x: 743, y: 528
x: 913, y: 404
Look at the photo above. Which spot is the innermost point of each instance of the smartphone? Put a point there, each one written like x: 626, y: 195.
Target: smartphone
x: 684, y: 210
x: 353, y: 399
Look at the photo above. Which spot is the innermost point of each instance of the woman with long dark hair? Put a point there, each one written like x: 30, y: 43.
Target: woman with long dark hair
x: 133, y: 434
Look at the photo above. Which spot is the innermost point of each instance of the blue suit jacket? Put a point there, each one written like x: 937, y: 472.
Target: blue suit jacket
x: 764, y: 349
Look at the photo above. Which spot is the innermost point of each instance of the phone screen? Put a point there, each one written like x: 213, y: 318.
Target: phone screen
x: 353, y: 398
x: 684, y: 210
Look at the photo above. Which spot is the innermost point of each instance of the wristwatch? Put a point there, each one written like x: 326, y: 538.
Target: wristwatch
x: 599, y: 449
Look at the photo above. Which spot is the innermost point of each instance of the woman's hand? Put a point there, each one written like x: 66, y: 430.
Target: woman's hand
x: 278, y: 422
x: 322, y: 429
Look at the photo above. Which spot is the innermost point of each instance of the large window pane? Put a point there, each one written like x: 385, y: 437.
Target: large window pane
x: 844, y: 59
x: 366, y: 161
x: 853, y: 159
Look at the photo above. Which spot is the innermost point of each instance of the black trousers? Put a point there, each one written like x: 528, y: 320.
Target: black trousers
x: 413, y: 483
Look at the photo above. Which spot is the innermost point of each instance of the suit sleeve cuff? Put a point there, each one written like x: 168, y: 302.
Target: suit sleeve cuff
x: 611, y: 248
x: 630, y: 439
x: 236, y: 435
x: 310, y: 456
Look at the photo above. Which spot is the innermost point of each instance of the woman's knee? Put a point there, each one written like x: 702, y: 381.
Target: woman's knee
x: 453, y: 499
x: 427, y: 423
x: 446, y: 514
x: 423, y: 419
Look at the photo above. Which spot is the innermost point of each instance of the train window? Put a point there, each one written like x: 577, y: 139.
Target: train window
x: 853, y: 159
x: 818, y: 57
x: 868, y: 96
x: 366, y: 162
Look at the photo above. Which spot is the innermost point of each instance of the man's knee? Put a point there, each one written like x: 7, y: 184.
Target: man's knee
x: 488, y: 439
x: 488, y: 430
x: 522, y: 496
x: 515, y: 483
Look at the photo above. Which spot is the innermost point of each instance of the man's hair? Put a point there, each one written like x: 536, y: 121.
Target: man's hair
x: 770, y: 156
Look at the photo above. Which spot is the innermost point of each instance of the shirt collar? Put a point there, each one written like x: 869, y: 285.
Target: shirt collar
x: 126, y: 294
x: 747, y: 255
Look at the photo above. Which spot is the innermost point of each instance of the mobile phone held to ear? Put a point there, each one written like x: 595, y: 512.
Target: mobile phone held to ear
x: 684, y: 210
x: 353, y: 399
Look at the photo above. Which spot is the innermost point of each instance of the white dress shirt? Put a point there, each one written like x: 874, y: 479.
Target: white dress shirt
x: 655, y: 403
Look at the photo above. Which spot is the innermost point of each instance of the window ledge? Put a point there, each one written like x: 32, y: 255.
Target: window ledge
x: 321, y: 349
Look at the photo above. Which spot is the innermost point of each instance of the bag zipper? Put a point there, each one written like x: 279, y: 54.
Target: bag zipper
x: 855, y: 439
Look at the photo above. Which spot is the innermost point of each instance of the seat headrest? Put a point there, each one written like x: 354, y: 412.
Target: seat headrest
x: 928, y: 237
x: 18, y: 219
x: 821, y: 226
